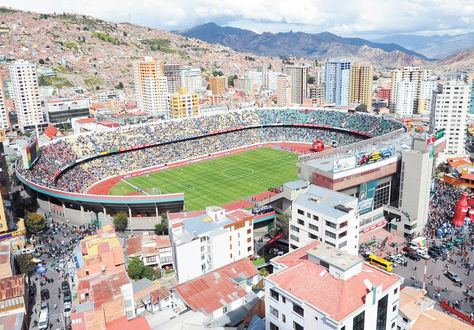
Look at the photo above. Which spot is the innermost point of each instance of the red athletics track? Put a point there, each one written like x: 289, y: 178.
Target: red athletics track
x: 103, y: 187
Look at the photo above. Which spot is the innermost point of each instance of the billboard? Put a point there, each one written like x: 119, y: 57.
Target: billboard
x: 366, y: 196
x: 344, y: 164
x: 372, y: 157
x: 30, y: 154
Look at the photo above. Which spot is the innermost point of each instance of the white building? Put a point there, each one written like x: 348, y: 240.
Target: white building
x: 327, y: 216
x: 153, y: 250
x: 205, y: 240
x: 298, y: 75
x: 412, y: 74
x: 192, y: 79
x: 337, y: 82
x: 283, y: 91
x: 257, y: 78
x: 24, y: 77
x: 450, y: 107
x: 426, y: 94
x: 405, y: 98
x: 151, y: 87
x: 319, y: 287
x: 4, y: 117
x: 65, y: 109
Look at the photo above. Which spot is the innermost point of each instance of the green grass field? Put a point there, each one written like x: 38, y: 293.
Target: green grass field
x: 218, y: 181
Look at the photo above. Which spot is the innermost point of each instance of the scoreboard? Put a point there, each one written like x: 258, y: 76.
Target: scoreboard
x: 30, y: 154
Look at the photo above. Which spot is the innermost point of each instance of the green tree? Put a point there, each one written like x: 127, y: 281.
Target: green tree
x: 162, y: 227
x: 120, y: 221
x: 216, y: 73
x: 35, y: 222
x: 137, y: 270
x: 119, y: 86
x: 231, y: 80
x: 310, y: 80
x: 149, y: 273
x: 25, y: 265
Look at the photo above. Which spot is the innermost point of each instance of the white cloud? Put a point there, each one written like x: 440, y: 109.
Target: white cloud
x: 345, y: 17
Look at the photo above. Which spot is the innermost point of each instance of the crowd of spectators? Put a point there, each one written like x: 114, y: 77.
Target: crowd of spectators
x: 168, y: 141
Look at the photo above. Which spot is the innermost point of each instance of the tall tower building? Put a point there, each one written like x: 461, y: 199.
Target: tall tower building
x: 426, y: 94
x: 413, y: 74
x: 298, y: 75
x: 151, y: 87
x: 450, y: 106
x: 283, y: 91
x: 361, y: 85
x: 174, y: 76
x: 470, y: 80
x: 218, y: 85
x: 264, y: 70
x: 184, y: 104
x: 192, y: 79
x: 24, y: 78
x: 405, y: 96
x: 337, y: 80
x: 4, y: 118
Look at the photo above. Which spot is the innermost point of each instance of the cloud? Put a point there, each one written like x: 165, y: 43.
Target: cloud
x: 345, y: 17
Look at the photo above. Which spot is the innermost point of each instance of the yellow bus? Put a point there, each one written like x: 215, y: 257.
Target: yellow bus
x: 380, y: 263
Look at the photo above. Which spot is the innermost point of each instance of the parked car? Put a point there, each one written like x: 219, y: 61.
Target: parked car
x: 453, y: 277
x: 65, y: 286
x: 67, y: 309
x: 67, y: 297
x: 413, y: 256
x: 44, y: 294
x: 44, y: 305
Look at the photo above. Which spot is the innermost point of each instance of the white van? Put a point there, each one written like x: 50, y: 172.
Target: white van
x: 43, y: 319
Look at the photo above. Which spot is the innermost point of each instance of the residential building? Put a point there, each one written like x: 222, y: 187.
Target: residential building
x: 6, y: 260
x: 14, y: 303
x: 404, y: 98
x: 153, y: 250
x: 151, y: 86
x: 320, y: 287
x: 257, y: 79
x: 63, y: 110
x: 245, y: 84
x: 327, y: 216
x: 283, y: 91
x: 361, y: 77
x: 183, y: 104
x: 174, y: 76
x: 24, y: 77
x: 4, y: 115
x: 417, y: 312
x: 4, y: 176
x: 450, y: 106
x: 316, y: 93
x: 150, y: 296
x: 337, y: 82
x: 264, y: 70
x: 471, y: 81
x: 384, y: 94
x: 298, y: 75
x: 192, y: 79
x: 224, y: 295
x: 218, y: 85
x: 412, y: 74
x: 206, y: 240
x: 427, y: 88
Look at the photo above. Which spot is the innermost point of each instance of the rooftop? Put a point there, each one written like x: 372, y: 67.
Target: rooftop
x: 138, y: 323
x: 12, y: 287
x: 146, y: 244
x: 297, y: 184
x: 325, y: 201
x: 336, y: 297
x: 334, y: 257
x: 217, y: 288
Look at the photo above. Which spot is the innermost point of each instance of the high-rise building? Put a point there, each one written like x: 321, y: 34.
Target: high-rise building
x: 450, y: 106
x: 174, y: 76
x: 426, y: 94
x: 245, y: 84
x: 192, y: 79
x: 264, y: 70
x: 4, y: 117
x: 298, y: 75
x: 4, y: 177
x: 151, y: 87
x: 218, y: 85
x: 412, y: 74
x: 26, y: 93
x: 361, y: 85
x: 405, y: 96
x: 283, y: 91
x: 184, y: 104
x: 337, y: 82
x: 471, y: 81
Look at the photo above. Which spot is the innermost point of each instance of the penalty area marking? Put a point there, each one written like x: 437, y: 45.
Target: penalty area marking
x: 134, y: 187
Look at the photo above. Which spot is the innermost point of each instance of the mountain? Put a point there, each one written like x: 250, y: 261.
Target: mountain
x: 433, y: 46
x: 462, y: 62
x: 93, y: 53
x: 302, y: 44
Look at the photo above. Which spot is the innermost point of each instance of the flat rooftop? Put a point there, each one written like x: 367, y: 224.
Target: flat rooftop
x: 334, y: 257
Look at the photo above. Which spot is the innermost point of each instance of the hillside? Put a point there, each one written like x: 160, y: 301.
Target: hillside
x: 462, y: 62
x: 302, y: 44
x: 90, y: 52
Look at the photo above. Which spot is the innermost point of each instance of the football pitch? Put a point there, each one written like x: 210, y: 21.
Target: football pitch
x: 218, y: 181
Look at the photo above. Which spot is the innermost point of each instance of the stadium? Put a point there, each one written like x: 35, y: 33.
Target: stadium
x: 96, y: 174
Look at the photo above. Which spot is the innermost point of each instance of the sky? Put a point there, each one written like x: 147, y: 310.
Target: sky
x: 360, y: 18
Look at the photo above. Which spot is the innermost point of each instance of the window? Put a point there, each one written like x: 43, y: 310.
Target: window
x: 394, y: 308
x: 329, y: 234
x: 315, y: 217
x: 283, y: 318
x: 249, y: 249
x: 273, y: 326
x: 301, y: 212
x: 382, y: 313
x: 358, y: 322
x: 395, y: 291
x: 283, y: 299
x: 393, y: 325
x: 294, y: 228
x: 312, y: 236
x: 344, y: 233
x: 274, y: 294
x: 313, y: 227
x: 297, y: 326
x: 274, y: 311
x: 342, y: 244
x: 300, y: 222
x: 342, y: 225
x: 224, y: 309
x: 331, y: 224
x: 343, y: 328
x: 249, y: 231
x: 298, y: 310
x: 405, y: 319
x: 294, y: 238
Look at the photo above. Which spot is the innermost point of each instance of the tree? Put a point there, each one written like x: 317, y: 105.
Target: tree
x: 137, y: 270
x: 25, y: 264
x: 231, y: 80
x: 35, y: 222
x: 120, y: 221
x: 119, y: 86
x: 310, y: 80
x: 162, y: 227
x: 41, y: 61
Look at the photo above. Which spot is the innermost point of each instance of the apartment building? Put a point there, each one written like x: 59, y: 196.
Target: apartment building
x: 327, y: 216
x: 218, y: 85
x: 184, y: 104
x: 320, y: 287
x: 337, y: 82
x: 192, y: 79
x: 427, y: 88
x: 24, y: 78
x: 450, y: 107
x: 361, y: 77
x: 283, y: 91
x: 4, y: 116
x: 405, y: 98
x: 206, y: 240
x: 298, y: 75
x: 151, y: 86
x: 153, y: 250
x: 408, y: 74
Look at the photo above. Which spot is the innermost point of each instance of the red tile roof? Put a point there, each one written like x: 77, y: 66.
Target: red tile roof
x: 133, y: 245
x: 86, y: 120
x: 208, y: 292
x: 312, y: 283
x: 12, y: 287
x: 138, y: 323
x: 50, y: 132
